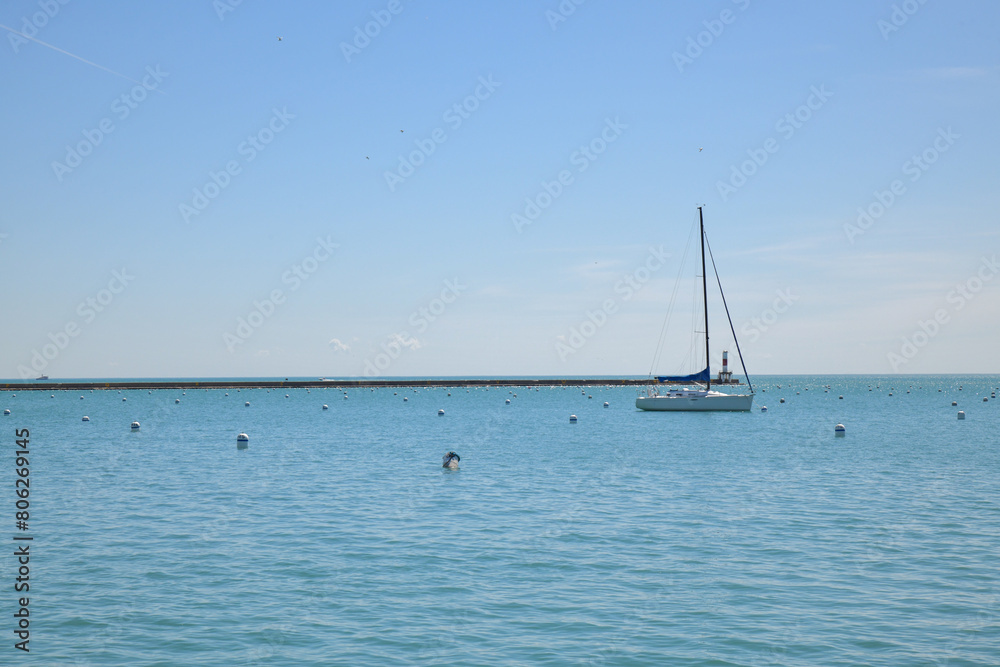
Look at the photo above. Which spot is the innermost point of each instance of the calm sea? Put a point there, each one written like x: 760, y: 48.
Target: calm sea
x: 628, y: 538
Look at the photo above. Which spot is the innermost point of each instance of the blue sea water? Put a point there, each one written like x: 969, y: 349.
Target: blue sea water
x: 628, y: 538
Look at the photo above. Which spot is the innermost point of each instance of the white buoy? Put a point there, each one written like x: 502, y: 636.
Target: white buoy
x: 326, y: 407
x: 763, y: 408
x: 242, y: 441
x: 589, y: 396
x: 124, y: 399
x: 606, y: 404
x: 227, y: 393
x: 440, y: 413
x: 405, y: 399
x: 81, y: 398
x: 841, y: 397
x: 286, y: 395
x: 247, y: 404
x: 6, y: 412
x: 86, y: 418
x: 135, y: 426
x: 890, y: 393
x: 507, y: 402
x: 572, y: 419
x: 781, y: 400
x: 961, y: 415
x: 985, y: 399
x: 52, y: 395
x: 345, y: 397
x: 839, y: 430
x: 954, y: 403
x: 177, y: 400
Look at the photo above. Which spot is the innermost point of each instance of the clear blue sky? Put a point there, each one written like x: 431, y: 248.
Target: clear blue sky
x: 666, y: 121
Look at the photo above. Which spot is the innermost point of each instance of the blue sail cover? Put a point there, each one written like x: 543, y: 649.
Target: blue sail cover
x: 703, y: 376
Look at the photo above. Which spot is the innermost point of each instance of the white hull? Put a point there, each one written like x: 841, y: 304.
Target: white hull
x: 701, y: 401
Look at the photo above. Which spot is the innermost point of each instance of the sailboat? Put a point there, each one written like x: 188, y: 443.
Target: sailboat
x: 705, y: 399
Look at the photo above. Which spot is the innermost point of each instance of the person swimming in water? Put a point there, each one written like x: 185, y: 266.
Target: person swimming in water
x: 451, y: 460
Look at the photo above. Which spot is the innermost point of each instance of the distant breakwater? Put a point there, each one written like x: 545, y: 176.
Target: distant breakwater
x: 50, y: 385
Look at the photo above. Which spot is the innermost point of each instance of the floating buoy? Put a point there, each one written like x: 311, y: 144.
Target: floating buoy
x: 135, y: 426
x: 841, y: 397
x: 81, y: 398
x: 781, y: 400
x: 52, y: 395
x: 954, y: 403
x: 247, y: 404
x: 507, y: 402
x: 124, y: 399
x: 606, y: 404
x: 839, y: 430
x: 405, y: 399
x: 227, y: 393
x: 440, y: 413
x: 961, y: 415
x: 449, y: 393
x: 242, y: 441
x: 985, y: 399
x: 589, y: 396
x: 890, y: 393
x: 286, y: 395
x: 345, y: 397
x: 177, y: 400
x: 6, y: 412
x: 86, y: 418
x: 763, y: 408
x: 572, y: 419
x: 326, y: 407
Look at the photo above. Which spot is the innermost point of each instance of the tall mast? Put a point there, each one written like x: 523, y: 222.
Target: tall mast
x: 704, y: 293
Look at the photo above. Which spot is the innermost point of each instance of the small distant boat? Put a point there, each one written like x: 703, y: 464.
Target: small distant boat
x: 698, y: 399
x: 42, y: 377
x: 451, y: 460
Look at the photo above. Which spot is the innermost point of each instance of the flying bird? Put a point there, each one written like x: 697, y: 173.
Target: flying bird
x: 700, y: 149
x: 279, y: 39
